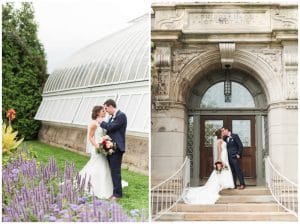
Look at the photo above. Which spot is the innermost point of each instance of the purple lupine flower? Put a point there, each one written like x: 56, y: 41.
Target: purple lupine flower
x: 74, y: 207
x: 15, y: 171
x: 52, y: 218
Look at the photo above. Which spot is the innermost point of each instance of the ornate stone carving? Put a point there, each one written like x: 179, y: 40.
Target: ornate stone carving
x: 163, y: 84
x: 227, y: 53
x: 171, y: 20
x: 182, y: 56
x: 273, y: 57
x: 284, y: 18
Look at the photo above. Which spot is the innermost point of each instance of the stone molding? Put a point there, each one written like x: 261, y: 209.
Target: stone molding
x: 288, y: 104
x: 225, y: 18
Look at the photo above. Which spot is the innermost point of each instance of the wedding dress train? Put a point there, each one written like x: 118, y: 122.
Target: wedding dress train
x: 209, y: 193
x: 98, y: 170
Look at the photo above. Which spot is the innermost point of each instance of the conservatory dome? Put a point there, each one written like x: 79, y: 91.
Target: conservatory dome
x: 119, y: 57
x: 116, y: 66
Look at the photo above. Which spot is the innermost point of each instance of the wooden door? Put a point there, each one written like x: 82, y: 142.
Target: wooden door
x: 244, y: 126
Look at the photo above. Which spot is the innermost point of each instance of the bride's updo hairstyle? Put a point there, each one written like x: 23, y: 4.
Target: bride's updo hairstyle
x: 96, y: 111
x: 218, y: 133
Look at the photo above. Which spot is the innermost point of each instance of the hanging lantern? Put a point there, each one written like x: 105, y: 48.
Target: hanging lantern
x: 227, y: 85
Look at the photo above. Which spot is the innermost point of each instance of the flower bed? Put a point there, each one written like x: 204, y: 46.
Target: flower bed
x: 45, y: 193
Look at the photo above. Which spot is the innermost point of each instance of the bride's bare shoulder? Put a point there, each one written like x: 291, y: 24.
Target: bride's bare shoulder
x: 220, y: 141
x: 93, y: 123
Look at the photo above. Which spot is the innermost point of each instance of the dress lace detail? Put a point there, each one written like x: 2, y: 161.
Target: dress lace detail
x: 209, y: 193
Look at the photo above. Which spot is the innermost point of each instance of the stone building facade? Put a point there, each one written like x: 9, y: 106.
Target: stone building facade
x: 194, y: 42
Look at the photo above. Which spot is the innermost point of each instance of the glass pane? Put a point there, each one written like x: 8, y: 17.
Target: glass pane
x: 243, y: 129
x: 210, y: 127
x: 214, y: 97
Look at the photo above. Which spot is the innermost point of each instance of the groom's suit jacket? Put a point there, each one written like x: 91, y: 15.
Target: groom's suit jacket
x: 116, y: 129
x: 234, y: 146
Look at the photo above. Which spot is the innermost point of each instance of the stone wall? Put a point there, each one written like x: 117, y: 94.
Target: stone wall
x: 74, y: 138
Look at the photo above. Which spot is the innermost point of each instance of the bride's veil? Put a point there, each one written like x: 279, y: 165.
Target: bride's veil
x: 215, y: 149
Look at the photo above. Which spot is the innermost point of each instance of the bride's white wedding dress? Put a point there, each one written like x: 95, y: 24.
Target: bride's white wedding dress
x: 209, y: 193
x: 98, y: 169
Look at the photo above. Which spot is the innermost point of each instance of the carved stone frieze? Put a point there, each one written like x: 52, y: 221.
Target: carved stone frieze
x: 284, y: 18
x: 170, y: 19
x: 183, y: 56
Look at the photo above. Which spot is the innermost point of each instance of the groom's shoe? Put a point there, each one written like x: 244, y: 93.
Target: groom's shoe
x: 242, y: 187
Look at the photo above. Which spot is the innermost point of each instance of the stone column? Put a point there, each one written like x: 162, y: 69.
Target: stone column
x: 283, y: 119
x: 168, y: 141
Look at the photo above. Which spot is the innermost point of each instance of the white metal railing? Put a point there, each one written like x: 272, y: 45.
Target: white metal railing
x: 284, y: 191
x: 168, y: 193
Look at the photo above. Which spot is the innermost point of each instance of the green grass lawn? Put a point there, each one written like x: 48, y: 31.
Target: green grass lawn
x: 135, y: 196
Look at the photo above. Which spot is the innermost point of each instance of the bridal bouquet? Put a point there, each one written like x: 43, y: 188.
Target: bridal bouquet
x: 106, y: 146
x: 219, y: 166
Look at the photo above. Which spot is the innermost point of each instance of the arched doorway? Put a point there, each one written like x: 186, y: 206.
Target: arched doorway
x: 245, y: 114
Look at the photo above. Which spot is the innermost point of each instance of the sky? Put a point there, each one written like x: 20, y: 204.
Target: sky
x: 66, y: 26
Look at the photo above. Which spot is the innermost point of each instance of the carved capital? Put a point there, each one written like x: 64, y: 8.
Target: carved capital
x: 162, y: 105
x: 290, y: 55
x: 162, y: 56
x: 227, y: 53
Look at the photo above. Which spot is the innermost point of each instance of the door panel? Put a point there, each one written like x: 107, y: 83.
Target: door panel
x: 244, y: 126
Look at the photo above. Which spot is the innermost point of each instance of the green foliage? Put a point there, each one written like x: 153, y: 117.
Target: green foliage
x: 135, y: 196
x: 23, y: 67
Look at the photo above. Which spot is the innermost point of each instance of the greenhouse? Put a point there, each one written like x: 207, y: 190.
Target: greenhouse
x: 114, y: 67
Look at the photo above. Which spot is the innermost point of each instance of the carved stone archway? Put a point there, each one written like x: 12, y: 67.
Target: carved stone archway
x: 195, y: 40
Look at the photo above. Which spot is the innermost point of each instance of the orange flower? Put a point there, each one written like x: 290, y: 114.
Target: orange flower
x: 11, y: 114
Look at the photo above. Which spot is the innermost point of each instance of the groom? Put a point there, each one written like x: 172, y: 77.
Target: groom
x: 235, y: 150
x: 116, y: 129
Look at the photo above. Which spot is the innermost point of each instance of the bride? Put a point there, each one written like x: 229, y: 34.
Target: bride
x: 209, y: 193
x: 97, y: 167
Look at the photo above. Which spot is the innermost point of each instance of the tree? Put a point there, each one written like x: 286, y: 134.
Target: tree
x: 24, y: 67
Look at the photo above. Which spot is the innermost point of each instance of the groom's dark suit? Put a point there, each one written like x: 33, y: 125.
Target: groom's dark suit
x: 235, y: 147
x: 116, y: 129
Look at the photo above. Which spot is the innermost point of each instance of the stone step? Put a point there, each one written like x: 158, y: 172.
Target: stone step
x: 228, y: 216
x: 245, y: 199
x: 236, y: 207
x: 247, y: 191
